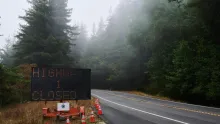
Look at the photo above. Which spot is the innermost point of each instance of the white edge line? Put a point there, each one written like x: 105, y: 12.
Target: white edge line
x: 169, y: 101
x: 140, y: 110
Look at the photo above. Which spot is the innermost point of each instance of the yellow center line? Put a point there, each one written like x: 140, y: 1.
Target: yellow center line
x: 168, y: 106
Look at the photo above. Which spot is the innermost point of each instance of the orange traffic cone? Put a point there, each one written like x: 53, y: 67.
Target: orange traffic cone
x: 97, y: 106
x: 96, y: 103
x: 83, y: 119
x: 92, y: 117
x: 67, y: 120
x: 99, y: 110
x: 82, y: 110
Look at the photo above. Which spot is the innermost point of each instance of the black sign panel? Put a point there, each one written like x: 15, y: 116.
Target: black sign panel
x: 54, y: 84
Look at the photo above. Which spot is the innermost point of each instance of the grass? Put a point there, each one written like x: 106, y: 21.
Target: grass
x: 151, y: 96
x: 31, y: 113
x: 28, y: 113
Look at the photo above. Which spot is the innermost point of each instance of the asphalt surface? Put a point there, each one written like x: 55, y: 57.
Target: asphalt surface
x: 124, y: 108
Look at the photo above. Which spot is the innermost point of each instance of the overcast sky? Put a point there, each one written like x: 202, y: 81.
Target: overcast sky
x: 86, y: 11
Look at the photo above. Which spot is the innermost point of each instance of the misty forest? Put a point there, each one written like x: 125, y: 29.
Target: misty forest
x: 160, y: 47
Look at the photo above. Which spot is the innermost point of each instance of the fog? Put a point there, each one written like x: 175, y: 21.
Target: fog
x: 162, y: 47
x: 105, y: 42
x: 85, y: 11
x: 115, y: 58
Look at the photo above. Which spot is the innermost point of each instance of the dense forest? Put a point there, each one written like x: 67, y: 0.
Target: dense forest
x: 161, y: 47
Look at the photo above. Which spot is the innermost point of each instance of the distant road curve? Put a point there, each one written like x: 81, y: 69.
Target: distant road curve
x: 125, y: 108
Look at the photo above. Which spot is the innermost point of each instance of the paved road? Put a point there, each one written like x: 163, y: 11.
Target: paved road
x: 124, y: 108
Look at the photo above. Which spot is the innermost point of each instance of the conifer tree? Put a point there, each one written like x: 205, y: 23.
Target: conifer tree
x: 46, y: 38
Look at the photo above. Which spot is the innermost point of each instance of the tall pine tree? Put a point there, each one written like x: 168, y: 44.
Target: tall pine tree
x: 101, y: 27
x: 81, y: 41
x: 46, y: 38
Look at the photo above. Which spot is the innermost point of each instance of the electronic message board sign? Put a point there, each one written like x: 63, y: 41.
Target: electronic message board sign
x: 54, y: 84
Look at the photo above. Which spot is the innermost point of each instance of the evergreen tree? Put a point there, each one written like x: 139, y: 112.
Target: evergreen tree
x: 83, y: 38
x: 45, y: 39
x: 171, y: 47
x: 6, y: 54
x: 109, y: 53
x: 101, y: 27
x: 59, y: 19
x: 94, y: 30
x: 79, y: 49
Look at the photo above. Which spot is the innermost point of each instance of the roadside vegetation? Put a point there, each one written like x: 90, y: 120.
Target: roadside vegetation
x: 151, y: 96
x: 15, y: 84
x: 168, y: 48
x: 31, y: 112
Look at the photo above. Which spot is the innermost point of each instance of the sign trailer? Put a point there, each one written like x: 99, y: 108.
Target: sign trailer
x: 60, y: 84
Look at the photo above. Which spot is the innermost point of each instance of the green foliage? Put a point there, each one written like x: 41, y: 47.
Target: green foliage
x: 166, y: 47
x: 184, y: 54
x: 78, y: 50
x: 8, y: 78
x: 108, y: 52
x: 6, y: 54
x: 46, y: 38
x: 174, y: 42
